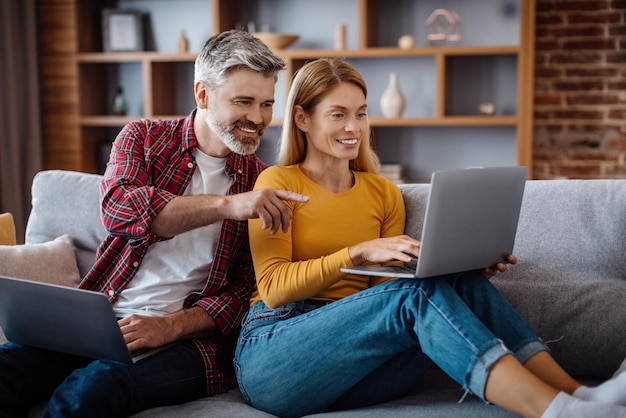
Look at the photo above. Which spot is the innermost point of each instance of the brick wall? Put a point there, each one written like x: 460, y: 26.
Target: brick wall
x: 580, y: 89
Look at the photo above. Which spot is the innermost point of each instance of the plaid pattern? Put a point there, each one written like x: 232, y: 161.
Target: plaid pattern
x: 151, y: 163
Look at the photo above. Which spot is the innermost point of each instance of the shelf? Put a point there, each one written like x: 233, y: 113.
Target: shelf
x: 443, y: 85
x: 447, y: 121
x: 376, y: 52
x: 117, y: 57
x: 111, y: 121
x: 383, y: 52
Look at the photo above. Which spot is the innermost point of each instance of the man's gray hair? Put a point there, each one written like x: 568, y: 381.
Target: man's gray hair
x: 231, y: 50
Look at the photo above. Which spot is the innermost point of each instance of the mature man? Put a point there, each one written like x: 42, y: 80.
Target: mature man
x: 176, y: 265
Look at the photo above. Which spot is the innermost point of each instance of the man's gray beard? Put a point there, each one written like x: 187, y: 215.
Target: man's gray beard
x: 243, y: 147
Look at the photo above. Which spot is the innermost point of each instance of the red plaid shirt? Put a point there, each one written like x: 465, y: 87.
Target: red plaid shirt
x: 150, y: 164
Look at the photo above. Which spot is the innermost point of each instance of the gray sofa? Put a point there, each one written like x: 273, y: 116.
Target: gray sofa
x: 570, y: 283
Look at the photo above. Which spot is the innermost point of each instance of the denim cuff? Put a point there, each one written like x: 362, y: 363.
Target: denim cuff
x: 482, y: 366
x: 528, y: 350
x: 484, y: 363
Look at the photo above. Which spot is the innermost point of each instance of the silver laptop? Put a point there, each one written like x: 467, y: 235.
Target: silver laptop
x: 470, y: 223
x: 65, y: 319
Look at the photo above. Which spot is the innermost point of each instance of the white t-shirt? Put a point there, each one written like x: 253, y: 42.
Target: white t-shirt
x: 173, y: 269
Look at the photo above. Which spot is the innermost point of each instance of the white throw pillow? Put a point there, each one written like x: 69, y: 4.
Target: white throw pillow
x: 51, y: 262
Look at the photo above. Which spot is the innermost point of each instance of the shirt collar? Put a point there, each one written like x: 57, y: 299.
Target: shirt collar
x: 190, y: 140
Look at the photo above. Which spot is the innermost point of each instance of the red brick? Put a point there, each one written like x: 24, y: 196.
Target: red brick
x: 601, y: 156
x: 542, y: 86
x: 616, y: 144
x: 616, y: 57
x: 591, y: 72
x: 580, y: 80
x: 593, y: 44
x: 616, y: 85
x: 578, y: 114
x: 618, y: 4
x: 617, y: 30
x: 578, y: 85
x: 578, y: 31
x: 610, y: 17
x: 547, y: 45
x: 549, y: 19
x: 606, y: 99
x: 618, y: 114
x: 542, y: 115
x: 601, y: 127
x: 547, y: 100
x: 566, y: 6
x: 579, y: 170
x: 563, y: 57
x: 540, y: 58
x: 544, y: 6
x: 549, y: 72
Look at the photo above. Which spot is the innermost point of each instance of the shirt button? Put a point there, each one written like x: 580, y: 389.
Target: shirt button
x: 111, y: 292
x: 190, y: 165
x: 239, y: 171
x: 136, y: 264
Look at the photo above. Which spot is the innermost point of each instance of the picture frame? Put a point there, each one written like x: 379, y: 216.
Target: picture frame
x: 122, y: 30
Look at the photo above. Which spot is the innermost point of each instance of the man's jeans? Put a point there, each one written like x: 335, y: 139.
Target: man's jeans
x: 80, y: 387
x: 373, y: 345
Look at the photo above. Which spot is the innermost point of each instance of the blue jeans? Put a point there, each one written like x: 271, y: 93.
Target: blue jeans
x: 372, y: 346
x: 79, y: 387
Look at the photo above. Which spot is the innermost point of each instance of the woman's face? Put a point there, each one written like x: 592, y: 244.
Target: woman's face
x: 338, y: 124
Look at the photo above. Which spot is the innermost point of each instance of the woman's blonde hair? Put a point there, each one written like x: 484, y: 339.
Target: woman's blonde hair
x: 309, y: 86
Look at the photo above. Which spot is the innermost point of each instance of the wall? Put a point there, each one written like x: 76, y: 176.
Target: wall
x: 580, y: 89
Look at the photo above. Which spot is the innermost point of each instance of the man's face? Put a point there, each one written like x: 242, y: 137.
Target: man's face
x: 239, y: 111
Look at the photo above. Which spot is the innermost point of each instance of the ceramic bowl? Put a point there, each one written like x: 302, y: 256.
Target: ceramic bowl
x: 276, y: 40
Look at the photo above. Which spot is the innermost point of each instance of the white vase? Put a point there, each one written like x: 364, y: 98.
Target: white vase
x: 392, y: 101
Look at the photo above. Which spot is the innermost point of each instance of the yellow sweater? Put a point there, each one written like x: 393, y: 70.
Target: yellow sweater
x: 305, y: 262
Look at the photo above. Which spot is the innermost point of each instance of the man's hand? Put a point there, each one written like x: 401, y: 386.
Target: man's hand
x: 144, y: 331
x: 489, y: 272
x: 141, y: 331
x: 267, y: 205
x: 184, y: 213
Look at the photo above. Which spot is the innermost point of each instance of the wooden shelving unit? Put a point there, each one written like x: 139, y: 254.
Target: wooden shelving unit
x: 73, y: 131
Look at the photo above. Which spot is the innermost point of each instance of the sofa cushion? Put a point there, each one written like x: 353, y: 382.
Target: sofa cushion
x: 7, y: 229
x: 67, y: 202
x: 51, y: 262
x: 570, y: 281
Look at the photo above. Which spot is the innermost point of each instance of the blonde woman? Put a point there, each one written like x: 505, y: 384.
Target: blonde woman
x: 316, y: 339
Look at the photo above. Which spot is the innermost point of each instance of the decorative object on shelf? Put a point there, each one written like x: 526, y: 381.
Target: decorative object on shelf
x: 120, y: 106
x: 392, y: 101
x: 509, y: 9
x: 276, y: 40
x: 340, y: 36
x: 122, y: 30
x: 443, y: 26
x: 487, y: 109
x: 406, y: 42
x: 183, y: 43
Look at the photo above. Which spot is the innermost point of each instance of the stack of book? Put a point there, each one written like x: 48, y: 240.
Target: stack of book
x: 394, y: 172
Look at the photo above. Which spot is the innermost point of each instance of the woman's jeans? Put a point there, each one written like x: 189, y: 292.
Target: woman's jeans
x: 79, y: 387
x: 372, y: 346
